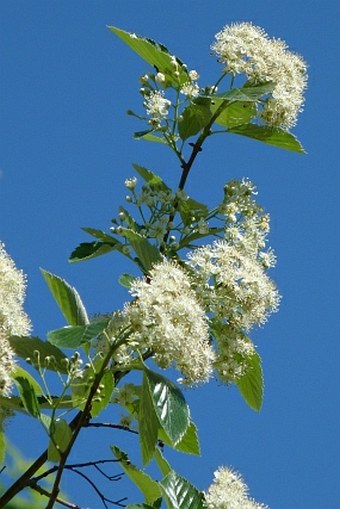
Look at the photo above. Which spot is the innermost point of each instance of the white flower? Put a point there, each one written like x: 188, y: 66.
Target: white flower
x: 168, y: 319
x: 190, y: 89
x: 156, y: 105
x: 233, y: 284
x: 229, y: 491
x: 13, y: 320
x: 131, y: 183
x: 247, y: 49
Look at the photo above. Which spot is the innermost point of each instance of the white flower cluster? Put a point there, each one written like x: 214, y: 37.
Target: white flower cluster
x: 233, y: 285
x: 167, y: 319
x: 229, y: 491
x: 13, y: 320
x: 156, y: 106
x: 191, y: 88
x: 247, y: 49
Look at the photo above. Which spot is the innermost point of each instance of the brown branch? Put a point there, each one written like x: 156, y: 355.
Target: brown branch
x: 44, y: 492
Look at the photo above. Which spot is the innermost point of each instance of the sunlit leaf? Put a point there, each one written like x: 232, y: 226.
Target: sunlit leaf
x: 235, y: 114
x: 162, y: 463
x: 104, y: 397
x: 147, y: 253
x: 72, y: 337
x: 170, y: 406
x: 126, y: 280
x: 157, y: 55
x: 251, y: 384
x: 180, y: 493
x: 143, y: 481
x: 270, y: 135
x: 67, y: 298
x: 154, y: 181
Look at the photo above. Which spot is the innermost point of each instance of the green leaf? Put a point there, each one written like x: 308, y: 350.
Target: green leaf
x: 169, y: 405
x: 129, y: 219
x: 247, y: 93
x: 21, y: 372
x: 148, y: 423
x: 272, y: 136
x: 27, y: 395
x: 99, y: 234
x: 190, y: 442
x: 3, y: 445
x: 105, y: 394
x: 88, y: 250
x: 140, y: 506
x: 189, y: 208
x: 235, y: 113
x: 148, y: 136
x: 25, y: 347
x: 60, y: 436
x: 67, y: 299
x: 162, y: 463
x: 251, y: 384
x: 155, y: 54
x: 180, y: 493
x: 194, y: 118
x: 126, y: 280
x: 154, y: 181
x: 143, y: 481
x: 72, y: 337
x: 147, y: 253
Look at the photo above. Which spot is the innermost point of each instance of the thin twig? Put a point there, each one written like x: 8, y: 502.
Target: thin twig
x: 46, y: 493
x: 103, y: 498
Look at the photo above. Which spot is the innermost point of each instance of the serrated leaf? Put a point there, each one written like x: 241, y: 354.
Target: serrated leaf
x: 105, y: 394
x: 88, y: 250
x: 194, y: 118
x: 27, y: 395
x: 25, y: 347
x: 157, y: 55
x: 143, y: 481
x: 169, y: 404
x: 148, y: 423
x: 154, y: 181
x: 60, y: 436
x: 189, y: 443
x: 180, y: 493
x: 251, y: 384
x: 269, y: 135
x: 72, y: 337
x: 147, y: 253
x: 235, y: 113
x: 67, y: 298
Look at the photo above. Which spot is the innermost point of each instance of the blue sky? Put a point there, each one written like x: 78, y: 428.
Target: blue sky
x: 66, y: 148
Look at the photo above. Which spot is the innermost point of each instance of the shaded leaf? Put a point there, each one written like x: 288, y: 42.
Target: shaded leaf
x: 251, y: 384
x: 60, y: 436
x: 169, y: 404
x: 88, y: 250
x: 99, y: 234
x: 155, y: 54
x: 190, y: 208
x: 21, y: 372
x: 277, y: 137
x: 27, y: 395
x: 72, y: 337
x: 148, y: 136
x: 143, y: 481
x: 247, y: 93
x: 194, y: 118
x: 3, y: 445
x: 180, y: 493
x: 235, y: 113
x: 105, y: 394
x: 148, y: 423
x: 25, y: 347
x: 67, y: 298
